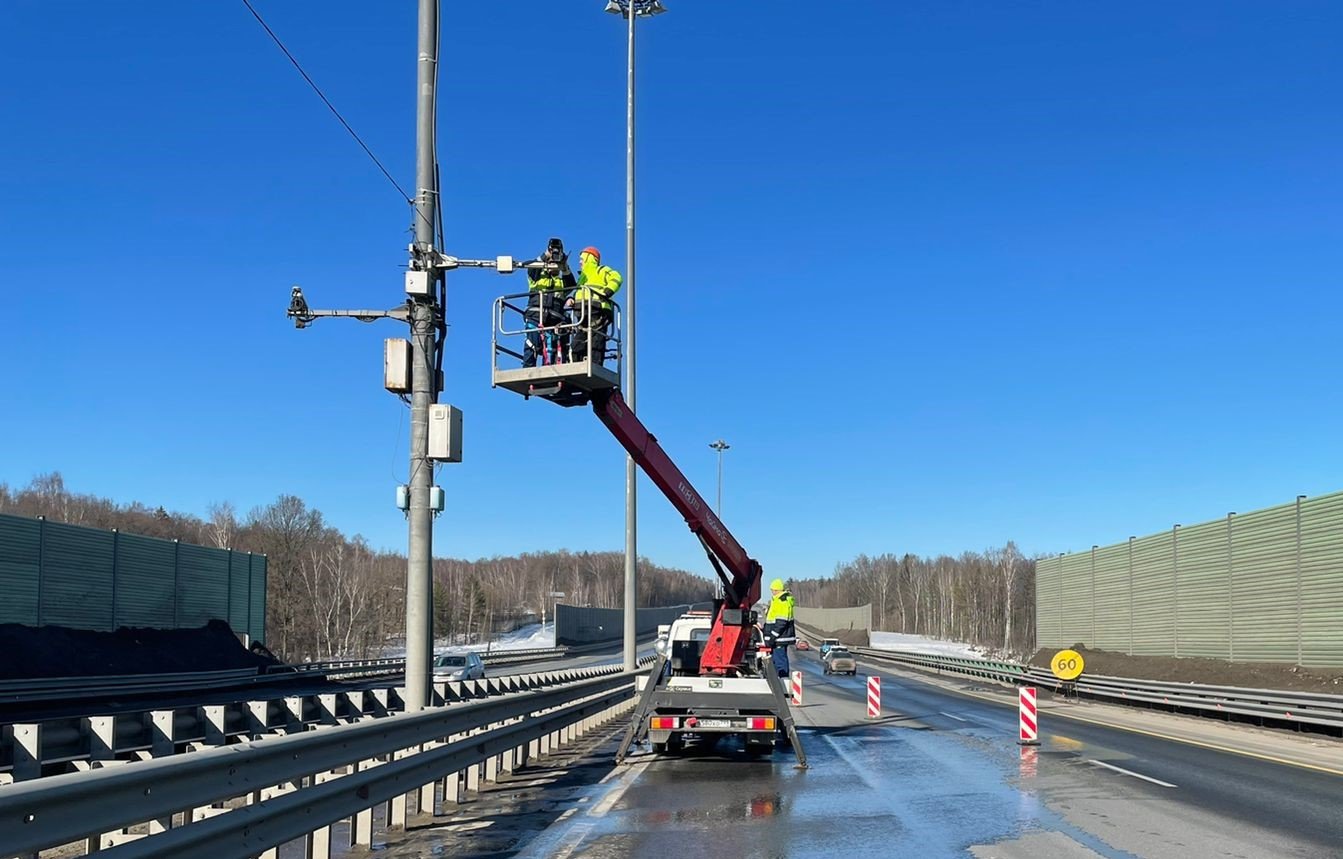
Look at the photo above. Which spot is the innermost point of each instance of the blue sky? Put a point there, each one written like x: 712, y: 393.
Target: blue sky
x: 944, y: 274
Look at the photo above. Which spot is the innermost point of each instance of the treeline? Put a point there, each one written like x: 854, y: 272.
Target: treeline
x: 983, y: 598
x: 329, y: 595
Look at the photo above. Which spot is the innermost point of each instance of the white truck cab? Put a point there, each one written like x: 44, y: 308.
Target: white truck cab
x: 689, y: 708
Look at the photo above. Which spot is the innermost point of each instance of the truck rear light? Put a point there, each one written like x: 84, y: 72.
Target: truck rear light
x: 663, y: 723
x: 760, y: 723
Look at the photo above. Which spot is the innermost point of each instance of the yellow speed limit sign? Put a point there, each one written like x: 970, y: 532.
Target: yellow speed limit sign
x: 1067, y: 664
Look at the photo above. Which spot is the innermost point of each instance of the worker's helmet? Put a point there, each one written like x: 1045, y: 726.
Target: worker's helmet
x: 776, y: 585
x: 596, y: 254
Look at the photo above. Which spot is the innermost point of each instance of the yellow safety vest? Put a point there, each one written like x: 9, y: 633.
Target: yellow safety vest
x: 599, y: 282
x: 780, y: 608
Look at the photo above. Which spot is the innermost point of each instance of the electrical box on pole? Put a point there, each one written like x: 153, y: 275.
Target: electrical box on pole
x: 419, y: 284
x: 445, y: 433
x: 396, y: 365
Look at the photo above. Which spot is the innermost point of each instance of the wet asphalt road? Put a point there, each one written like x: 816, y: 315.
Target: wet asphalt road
x: 939, y: 775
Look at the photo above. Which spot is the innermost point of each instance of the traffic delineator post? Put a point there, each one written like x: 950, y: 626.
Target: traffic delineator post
x: 874, y: 697
x: 1028, y: 717
x: 796, y: 699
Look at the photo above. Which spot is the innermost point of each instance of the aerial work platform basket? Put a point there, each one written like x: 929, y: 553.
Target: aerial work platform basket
x: 549, y: 337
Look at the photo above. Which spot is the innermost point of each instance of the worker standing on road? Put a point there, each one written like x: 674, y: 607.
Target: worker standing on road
x: 547, y: 292
x: 592, y: 302
x: 779, y: 629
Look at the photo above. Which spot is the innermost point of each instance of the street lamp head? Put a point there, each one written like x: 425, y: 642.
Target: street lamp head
x: 719, y: 445
x: 642, y: 8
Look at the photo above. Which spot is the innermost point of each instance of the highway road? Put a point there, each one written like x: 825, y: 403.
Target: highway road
x: 939, y: 775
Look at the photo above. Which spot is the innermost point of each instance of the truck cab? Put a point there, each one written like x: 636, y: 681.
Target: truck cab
x: 689, y: 708
x: 828, y: 644
x: 685, y: 642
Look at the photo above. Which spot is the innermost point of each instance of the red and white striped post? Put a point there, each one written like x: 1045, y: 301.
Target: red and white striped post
x: 874, y: 697
x: 797, y: 689
x: 1028, y: 719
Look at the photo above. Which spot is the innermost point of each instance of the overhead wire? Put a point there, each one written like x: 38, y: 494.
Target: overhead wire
x: 326, y: 101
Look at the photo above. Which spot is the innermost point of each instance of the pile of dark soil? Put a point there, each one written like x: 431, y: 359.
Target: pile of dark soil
x: 1210, y: 672
x: 58, y: 651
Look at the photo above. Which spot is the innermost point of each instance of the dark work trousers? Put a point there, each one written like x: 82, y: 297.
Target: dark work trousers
x: 600, y: 324
x: 543, y: 344
x: 779, y: 652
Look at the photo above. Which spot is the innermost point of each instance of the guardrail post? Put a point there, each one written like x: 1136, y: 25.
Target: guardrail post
x: 380, y: 707
x: 294, y: 709
x: 101, y: 732
x: 452, y: 788
x: 161, y: 745
x: 326, y: 709
x: 212, y: 717
x: 394, y: 815
x: 27, y: 752
x: 161, y: 733
x: 258, y: 715
x: 473, y: 778
x: 361, y: 827
x: 428, y: 799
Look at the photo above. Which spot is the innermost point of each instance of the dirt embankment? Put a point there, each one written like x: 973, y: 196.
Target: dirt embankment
x: 1211, y: 672
x: 58, y: 651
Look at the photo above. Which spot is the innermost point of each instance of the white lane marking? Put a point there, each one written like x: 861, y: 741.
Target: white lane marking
x: 952, y: 716
x: 1132, y: 773
x: 561, y: 842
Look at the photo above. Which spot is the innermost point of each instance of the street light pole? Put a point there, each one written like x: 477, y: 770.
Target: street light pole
x: 720, y: 446
x: 630, y: 9
x: 423, y: 318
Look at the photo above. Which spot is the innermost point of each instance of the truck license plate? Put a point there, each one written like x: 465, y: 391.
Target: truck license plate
x: 715, y: 723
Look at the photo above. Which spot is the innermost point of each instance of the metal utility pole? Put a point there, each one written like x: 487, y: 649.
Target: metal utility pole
x: 424, y: 312
x: 720, y: 446
x: 631, y: 9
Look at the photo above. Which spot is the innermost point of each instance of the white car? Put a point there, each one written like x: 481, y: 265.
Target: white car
x: 458, y: 666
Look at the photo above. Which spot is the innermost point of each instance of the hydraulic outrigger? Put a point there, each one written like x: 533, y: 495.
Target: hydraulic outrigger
x: 741, y: 676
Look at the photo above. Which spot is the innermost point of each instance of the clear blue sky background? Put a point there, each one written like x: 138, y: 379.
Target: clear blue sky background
x: 943, y: 273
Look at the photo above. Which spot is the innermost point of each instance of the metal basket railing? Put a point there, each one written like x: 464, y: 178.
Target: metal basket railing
x: 558, y: 324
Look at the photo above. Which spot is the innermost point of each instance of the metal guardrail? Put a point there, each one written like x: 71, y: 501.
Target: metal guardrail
x: 373, y: 667
x: 64, y: 688
x: 1280, y: 706
x: 26, y: 748
x: 298, y: 785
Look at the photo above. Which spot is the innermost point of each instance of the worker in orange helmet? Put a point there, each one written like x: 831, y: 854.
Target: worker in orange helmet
x: 597, y: 283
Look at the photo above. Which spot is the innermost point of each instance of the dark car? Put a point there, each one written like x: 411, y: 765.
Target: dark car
x: 458, y: 666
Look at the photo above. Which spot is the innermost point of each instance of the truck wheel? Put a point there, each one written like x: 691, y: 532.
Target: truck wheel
x: 659, y: 748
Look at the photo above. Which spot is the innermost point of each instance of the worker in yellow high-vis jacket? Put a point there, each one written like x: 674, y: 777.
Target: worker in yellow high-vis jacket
x: 597, y: 283
x: 779, y: 629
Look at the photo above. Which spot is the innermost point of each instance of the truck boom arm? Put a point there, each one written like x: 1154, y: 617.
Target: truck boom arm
x: 741, y: 583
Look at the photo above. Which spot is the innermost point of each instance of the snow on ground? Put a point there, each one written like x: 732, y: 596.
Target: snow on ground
x: 533, y: 635
x: 922, y: 644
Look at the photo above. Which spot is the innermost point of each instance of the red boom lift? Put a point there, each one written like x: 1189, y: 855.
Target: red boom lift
x: 743, y: 693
